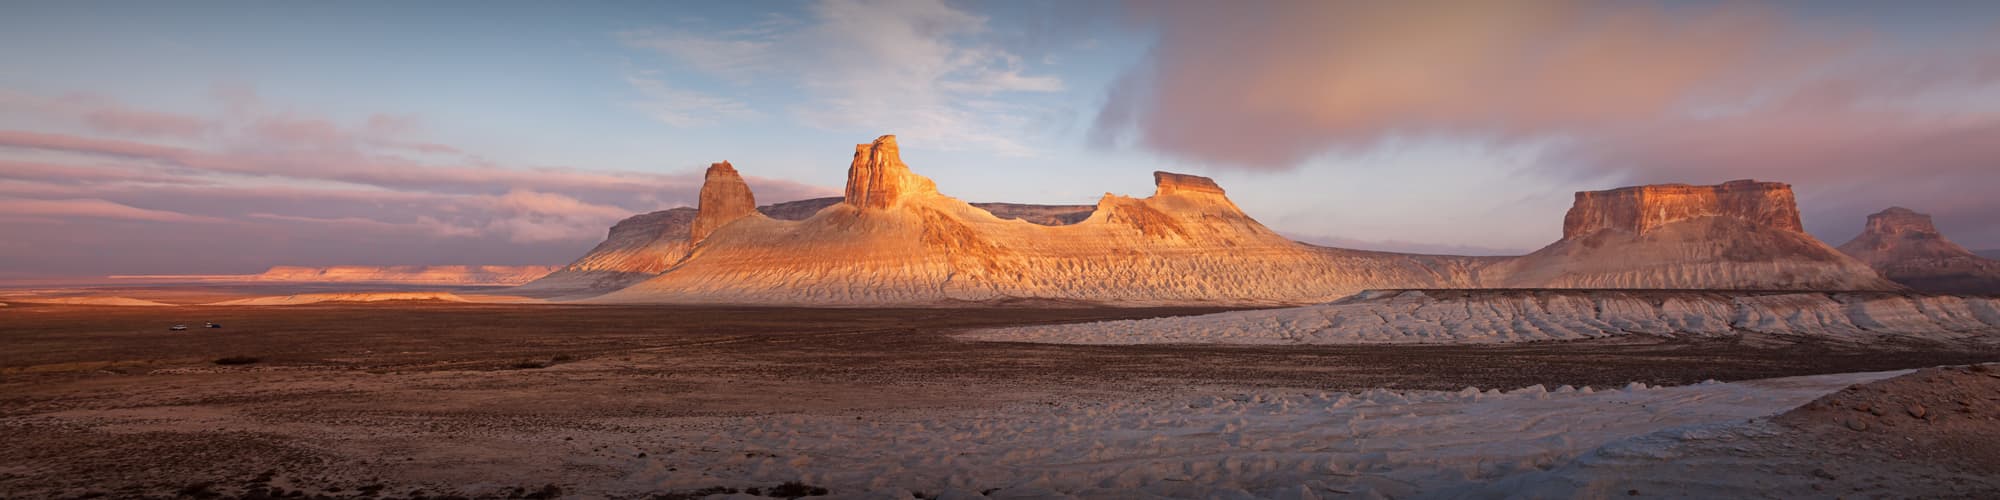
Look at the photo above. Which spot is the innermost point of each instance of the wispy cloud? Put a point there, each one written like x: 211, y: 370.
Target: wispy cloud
x: 901, y: 66
x: 91, y: 208
x: 682, y: 107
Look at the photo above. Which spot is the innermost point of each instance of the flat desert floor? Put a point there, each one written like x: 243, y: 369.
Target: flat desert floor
x: 409, y: 400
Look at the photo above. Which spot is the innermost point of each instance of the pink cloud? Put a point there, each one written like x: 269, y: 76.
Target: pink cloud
x: 121, y: 120
x: 105, y: 115
x: 91, y: 208
x: 1271, y: 84
x: 1629, y: 92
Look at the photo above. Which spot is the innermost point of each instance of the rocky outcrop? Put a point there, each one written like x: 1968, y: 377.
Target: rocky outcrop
x: 1169, y: 183
x: 1737, y: 235
x: 894, y: 240
x: 1906, y: 247
x: 1643, y: 209
x: 878, y: 178
x: 413, y: 275
x: 724, y: 198
x: 637, y: 248
x: 642, y: 246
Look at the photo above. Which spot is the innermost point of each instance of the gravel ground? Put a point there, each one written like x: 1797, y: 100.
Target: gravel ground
x: 411, y: 399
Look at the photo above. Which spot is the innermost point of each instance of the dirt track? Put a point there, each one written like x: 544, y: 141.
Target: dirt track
x: 108, y: 400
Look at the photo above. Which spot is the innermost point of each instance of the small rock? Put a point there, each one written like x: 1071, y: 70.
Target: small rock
x: 1876, y: 411
x: 1917, y: 410
x: 1857, y: 424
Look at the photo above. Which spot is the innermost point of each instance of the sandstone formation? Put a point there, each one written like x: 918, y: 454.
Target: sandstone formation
x: 1644, y: 209
x: 647, y: 245
x: 1875, y: 319
x: 878, y: 179
x: 1906, y: 247
x: 412, y: 275
x: 724, y: 198
x: 1738, y: 235
x: 894, y: 240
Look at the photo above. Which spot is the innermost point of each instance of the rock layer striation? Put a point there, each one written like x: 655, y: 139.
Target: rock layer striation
x: 1644, y: 209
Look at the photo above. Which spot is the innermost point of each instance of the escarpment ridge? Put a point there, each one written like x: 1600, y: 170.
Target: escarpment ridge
x: 893, y: 238
x: 1905, y: 246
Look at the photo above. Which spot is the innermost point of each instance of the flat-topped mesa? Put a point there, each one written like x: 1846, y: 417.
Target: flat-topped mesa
x: 1642, y: 209
x: 1905, y: 246
x: 1899, y: 235
x: 724, y: 198
x: 878, y: 178
x: 1899, y: 221
x: 1165, y: 183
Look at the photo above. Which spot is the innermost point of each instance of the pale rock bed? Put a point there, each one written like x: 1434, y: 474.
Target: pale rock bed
x: 315, y: 298
x: 1502, y: 316
x: 1256, y: 444
x: 91, y: 300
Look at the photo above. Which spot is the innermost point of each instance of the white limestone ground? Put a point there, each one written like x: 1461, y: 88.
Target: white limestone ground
x: 315, y: 298
x: 90, y: 300
x: 1255, y: 444
x: 1502, y: 316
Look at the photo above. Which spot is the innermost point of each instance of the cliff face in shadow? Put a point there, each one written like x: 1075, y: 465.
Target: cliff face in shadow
x: 1906, y: 247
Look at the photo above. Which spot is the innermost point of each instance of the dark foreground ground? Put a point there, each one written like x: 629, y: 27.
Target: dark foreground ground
x: 286, y: 399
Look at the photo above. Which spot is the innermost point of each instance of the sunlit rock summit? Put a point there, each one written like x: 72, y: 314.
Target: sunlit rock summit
x: 1906, y: 247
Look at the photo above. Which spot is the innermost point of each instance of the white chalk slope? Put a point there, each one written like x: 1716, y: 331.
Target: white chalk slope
x: 1501, y: 316
x: 1262, y: 443
x: 316, y: 298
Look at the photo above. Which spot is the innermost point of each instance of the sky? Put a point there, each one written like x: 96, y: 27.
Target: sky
x: 226, y: 137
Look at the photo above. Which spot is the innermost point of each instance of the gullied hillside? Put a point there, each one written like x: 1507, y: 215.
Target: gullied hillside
x: 1906, y: 247
x: 1738, y: 235
x: 893, y: 239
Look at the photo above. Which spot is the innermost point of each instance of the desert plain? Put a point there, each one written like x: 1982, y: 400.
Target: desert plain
x: 426, y: 399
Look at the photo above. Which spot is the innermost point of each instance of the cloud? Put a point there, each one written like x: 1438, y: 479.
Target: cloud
x: 1622, y: 91
x: 1297, y: 79
x: 684, y: 108
x: 529, y: 216
x: 902, y: 66
x: 90, y: 208
x: 105, y: 115
x: 291, y: 188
